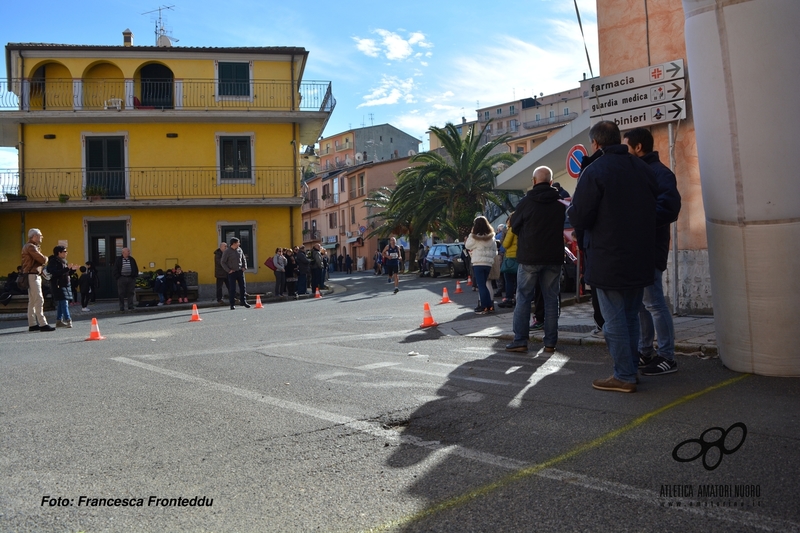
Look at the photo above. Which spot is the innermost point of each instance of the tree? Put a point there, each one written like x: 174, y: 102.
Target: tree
x: 446, y: 192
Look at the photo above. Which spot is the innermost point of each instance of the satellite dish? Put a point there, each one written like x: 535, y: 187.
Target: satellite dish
x: 411, y: 152
x: 348, y: 161
x: 359, y: 157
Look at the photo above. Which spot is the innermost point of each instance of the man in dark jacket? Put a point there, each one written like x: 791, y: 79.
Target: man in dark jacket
x: 303, y: 269
x: 125, y: 272
x: 654, y: 315
x: 615, y: 204
x: 234, y: 262
x: 538, y: 223
x: 219, y: 271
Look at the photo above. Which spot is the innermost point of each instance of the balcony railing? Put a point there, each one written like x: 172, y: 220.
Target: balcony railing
x: 312, y: 235
x: 549, y: 120
x: 310, y: 203
x: 344, y: 146
x: 136, y: 183
x: 55, y: 94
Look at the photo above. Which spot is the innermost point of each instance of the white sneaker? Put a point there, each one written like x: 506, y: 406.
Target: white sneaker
x: 160, y: 303
x: 85, y: 309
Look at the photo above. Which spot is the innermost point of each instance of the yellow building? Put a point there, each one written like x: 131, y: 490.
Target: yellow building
x: 165, y: 150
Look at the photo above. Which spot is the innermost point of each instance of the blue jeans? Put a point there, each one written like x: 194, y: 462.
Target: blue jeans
x: 302, y: 283
x: 654, y: 311
x: 527, y: 277
x: 62, y: 310
x: 510, y: 279
x: 481, y: 276
x: 621, y: 329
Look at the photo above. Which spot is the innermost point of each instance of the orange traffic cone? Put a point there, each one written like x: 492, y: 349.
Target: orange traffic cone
x: 195, y: 314
x: 445, y: 297
x: 317, y: 295
x: 458, y: 287
x: 259, y: 305
x: 469, y: 281
x: 427, y: 319
x: 95, y: 334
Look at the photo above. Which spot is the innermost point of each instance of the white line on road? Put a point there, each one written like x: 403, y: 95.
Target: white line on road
x: 733, y: 515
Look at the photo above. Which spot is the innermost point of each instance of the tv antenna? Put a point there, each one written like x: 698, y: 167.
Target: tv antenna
x: 162, y: 39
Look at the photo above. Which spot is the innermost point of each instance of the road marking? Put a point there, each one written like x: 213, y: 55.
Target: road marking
x: 374, y: 366
x: 520, y: 470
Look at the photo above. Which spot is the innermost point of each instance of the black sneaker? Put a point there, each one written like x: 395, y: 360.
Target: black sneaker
x: 47, y: 327
x: 537, y: 325
x: 658, y: 366
x: 396, y: 290
x: 645, y: 360
x: 517, y: 347
x: 34, y: 328
x: 246, y: 305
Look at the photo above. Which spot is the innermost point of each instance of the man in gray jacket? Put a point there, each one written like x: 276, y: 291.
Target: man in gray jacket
x: 235, y: 263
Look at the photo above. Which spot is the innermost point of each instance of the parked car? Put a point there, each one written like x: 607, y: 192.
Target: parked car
x: 445, y: 258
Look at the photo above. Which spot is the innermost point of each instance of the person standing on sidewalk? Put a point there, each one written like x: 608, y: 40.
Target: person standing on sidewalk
x: 539, y: 224
x: 60, y: 284
x: 481, y: 244
x: 125, y: 272
x: 220, y: 273
x: 615, y: 204
x: 303, y: 265
x: 32, y: 261
x: 235, y: 263
x: 655, y: 318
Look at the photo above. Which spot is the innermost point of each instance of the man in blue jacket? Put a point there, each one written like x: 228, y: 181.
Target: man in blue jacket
x: 615, y: 204
x: 654, y: 310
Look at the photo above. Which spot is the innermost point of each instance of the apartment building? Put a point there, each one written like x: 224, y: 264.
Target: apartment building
x: 165, y: 150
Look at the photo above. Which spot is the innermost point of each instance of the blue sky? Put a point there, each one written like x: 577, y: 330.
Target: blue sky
x: 412, y: 64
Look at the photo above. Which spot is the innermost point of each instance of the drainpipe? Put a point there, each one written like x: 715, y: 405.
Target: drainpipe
x: 675, y: 280
x: 294, y: 153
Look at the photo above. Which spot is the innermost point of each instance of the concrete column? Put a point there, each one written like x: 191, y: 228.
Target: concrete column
x: 743, y: 58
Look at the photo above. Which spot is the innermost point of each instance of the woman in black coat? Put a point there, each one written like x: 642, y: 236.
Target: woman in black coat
x: 60, y: 284
x: 291, y: 273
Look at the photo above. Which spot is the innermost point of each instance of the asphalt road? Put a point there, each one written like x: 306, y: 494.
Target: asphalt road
x: 341, y: 414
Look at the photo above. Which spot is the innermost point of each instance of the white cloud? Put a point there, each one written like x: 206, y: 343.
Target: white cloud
x: 393, y: 46
x: 8, y: 158
x: 390, y: 91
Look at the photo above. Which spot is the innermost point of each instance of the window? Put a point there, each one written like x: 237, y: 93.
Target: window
x: 235, y: 158
x: 352, y: 215
x: 485, y: 115
x: 391, y: 140
x: 566, y: 111
x: 361, y: 190
x: 234, y: 79
x: 538, y: 116
x: 499, y: 111
x: 105, y: 167
x: 352, y: 186
x: 332, y: 220
x: 341, y: 185
x: 520, y: 150
x: 512, y: 109
x: 246, y: 235
x: 552, y: 114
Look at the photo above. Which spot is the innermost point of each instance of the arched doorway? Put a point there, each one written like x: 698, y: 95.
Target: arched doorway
x: 157, y: 86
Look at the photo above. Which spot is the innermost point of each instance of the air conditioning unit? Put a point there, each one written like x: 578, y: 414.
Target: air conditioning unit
x: 349, y: 233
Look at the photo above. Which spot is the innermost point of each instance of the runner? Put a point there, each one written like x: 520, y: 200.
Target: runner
x: 391, y: 260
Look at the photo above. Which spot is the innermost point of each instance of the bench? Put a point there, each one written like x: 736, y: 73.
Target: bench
x: 145, y: 296
x: 19, y: 304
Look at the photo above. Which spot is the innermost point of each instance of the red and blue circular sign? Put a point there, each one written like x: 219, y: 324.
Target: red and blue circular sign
x: 574, y: 158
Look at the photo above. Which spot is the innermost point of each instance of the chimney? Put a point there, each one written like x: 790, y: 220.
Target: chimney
x: 127, y: 37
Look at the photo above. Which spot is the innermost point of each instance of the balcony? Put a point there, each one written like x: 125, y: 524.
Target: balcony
x: 139, y: 184
x: 344, y: 146
x: 55, y: 94
x: 558, y: 119
x: 312, y: 235
x: 310, y: 204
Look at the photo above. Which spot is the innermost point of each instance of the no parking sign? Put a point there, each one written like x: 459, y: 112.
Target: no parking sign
x: 574, y: 158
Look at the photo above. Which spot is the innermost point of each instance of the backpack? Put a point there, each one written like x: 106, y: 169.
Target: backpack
x: 46, y: 273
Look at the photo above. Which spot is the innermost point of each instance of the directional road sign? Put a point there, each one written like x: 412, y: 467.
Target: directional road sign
x: 644, y: 96
x: 625, y: 81
x: 574, y: 158
x: 646, y: 116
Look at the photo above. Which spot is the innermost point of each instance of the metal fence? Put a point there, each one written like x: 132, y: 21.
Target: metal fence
x: 57, y: 94
x: 147, y: 184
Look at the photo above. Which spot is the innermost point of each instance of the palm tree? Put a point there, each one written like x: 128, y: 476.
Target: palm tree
x: 448, y: 191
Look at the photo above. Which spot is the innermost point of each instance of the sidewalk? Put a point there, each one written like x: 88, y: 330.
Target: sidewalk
x: 694, y: 335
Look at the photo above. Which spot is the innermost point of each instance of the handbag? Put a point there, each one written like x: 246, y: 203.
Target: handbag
x: 270, y: 263
x: 494, y: 273
x: 509, y: 266
x: 22, y: 282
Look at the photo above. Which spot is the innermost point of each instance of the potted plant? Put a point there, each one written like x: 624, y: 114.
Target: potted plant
x: 94, y: 192
x: 306, y: 231
x: 63, y: 198
x: 325, y: 196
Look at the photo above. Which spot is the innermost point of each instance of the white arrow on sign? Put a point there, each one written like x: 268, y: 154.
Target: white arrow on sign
x: 646, y: 116
x: 642, y: 97
x: 633, y: 79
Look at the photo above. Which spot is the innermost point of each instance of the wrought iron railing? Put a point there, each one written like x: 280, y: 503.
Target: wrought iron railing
x: 312, y: 235
x: 310, y: 203
x: 550, y: 120
x: 147, y: 184
x: 57, y: 94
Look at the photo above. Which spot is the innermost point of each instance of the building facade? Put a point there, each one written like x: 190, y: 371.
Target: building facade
x: 383, y: 142
x: 165, y: 150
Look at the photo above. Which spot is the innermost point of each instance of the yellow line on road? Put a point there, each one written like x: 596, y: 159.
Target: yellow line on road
x: 535, y: 469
